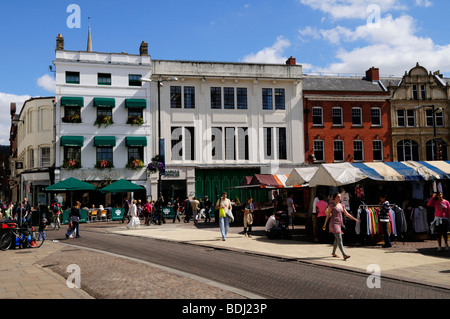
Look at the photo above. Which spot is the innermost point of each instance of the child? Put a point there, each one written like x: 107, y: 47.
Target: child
x: 42, y: 226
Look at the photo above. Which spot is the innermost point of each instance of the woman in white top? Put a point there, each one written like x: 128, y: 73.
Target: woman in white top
x: 224, y: 224
x: 134, y: 219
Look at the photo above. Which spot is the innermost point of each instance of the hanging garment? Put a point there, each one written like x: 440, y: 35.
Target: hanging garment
x: 400, y: 219
x: 419, y: 218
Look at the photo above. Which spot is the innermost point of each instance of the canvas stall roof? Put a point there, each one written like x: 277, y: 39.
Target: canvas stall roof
x: 336, y: 175
x: 301, y: 175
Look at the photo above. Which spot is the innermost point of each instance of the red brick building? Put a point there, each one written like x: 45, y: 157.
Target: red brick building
x: 347, y: 119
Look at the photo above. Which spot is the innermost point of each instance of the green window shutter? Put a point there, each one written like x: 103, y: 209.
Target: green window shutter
x: 105, y: 141
x: 72, y: 101
x: 73, y: 141
x: 136, y: 141
x: 104, y: 102
x: 136, y: 103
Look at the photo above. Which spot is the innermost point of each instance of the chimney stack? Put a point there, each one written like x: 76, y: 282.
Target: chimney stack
x: 60, y: 42
x: 291, y: 61
x: 13, y: 109
x: 373, y: 74
x: 143, y: 50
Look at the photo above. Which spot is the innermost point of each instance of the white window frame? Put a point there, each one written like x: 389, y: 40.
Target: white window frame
x: 359, y: 109
x: 317, y: 108
x: 333, y: 115
x: 341, y: 142
x: 377, y: 109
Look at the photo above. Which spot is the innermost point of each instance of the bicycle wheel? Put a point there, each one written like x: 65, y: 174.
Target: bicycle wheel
x: 6, y: 241
x: 35, y: 239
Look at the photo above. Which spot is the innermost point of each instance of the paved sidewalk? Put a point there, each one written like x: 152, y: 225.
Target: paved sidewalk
x: 22, y: 275
x: 22, y: 278
x: 408, y: 266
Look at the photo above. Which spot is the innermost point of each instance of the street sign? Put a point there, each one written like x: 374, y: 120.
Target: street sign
x: 19, y: 165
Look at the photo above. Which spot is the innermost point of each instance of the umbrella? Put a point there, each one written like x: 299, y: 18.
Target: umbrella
x: 122, y: 186
x: 70, y: 184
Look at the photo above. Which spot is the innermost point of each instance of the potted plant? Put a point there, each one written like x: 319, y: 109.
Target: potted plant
x: 72, y: 119
x: 156, y: 165
x: 71, y: 164
x: 135, y: 164
x: 103, y: 120
x: 135, y: 120
x: 103, y: 164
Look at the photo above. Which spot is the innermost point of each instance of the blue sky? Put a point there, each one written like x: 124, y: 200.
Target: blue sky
x: 325, y: 36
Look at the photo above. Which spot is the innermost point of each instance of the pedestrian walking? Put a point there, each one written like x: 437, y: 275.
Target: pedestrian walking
x: 334, y: 214
x: 291, y: 209
x: 224, y: 206
x: 126, y: 206
x: 195, y: 204
x: 441, y: 217
x: 133, y: 215
x: 248, y: 217
x: 187, y: 209
x: 147, y: 212
x: 75, y: 216
x: 208, y: 205
x: 384, y: 220
x: 177, y: 209
x: 320, y: 208
x: 277, y: 202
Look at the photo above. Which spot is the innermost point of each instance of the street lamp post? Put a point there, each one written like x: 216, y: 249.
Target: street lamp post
x: 160, y: 144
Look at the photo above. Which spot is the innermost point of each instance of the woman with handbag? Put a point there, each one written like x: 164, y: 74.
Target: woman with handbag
x: 224, y: 207
x: 75, y: 215
x: 248, y: 217
x: 334, y: 214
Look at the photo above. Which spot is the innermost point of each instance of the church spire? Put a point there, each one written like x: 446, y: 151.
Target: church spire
x: 89, y: 44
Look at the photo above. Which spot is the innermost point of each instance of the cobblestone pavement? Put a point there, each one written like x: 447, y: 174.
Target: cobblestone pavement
x: 109, y: 277
x: 123, y: 281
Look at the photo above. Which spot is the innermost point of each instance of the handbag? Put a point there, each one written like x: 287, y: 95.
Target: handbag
x: 222, y: 213
x: 249, y: 219
x: 230, y: 215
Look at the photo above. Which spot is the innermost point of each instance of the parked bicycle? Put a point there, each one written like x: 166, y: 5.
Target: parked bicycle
x: 23, y: 237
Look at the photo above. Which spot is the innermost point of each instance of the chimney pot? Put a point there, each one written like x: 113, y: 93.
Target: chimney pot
x: 143, y: 50
x: 60, y: 42
x: 13, y: 109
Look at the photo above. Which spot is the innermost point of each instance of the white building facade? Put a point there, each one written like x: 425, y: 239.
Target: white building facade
x: 35, y: 150
x: 223, y: 121
x: 102, y: 116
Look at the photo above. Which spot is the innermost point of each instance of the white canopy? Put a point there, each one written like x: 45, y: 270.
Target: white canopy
x: 337, y: 174
x: 301, y: 175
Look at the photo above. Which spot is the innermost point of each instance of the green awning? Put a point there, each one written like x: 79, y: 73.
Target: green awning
x: 70, y: 184
x: 105, y: 141
x: 104, y: 102
x: 136, y: 103
x: 72, y: 101
x: 74, y: 141
x: 122, y: 186
x: 136, y: 141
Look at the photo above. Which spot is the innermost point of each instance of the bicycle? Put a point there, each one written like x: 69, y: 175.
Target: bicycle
x: 56, y: 223
x: 27, y: 237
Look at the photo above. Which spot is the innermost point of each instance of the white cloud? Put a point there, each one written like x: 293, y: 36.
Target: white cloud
x: 5, y: 120
x: 424, y: 3
x: 273, y: 54
x: 47, y: 82
x: 392, y: 45
x: 352, y: 9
